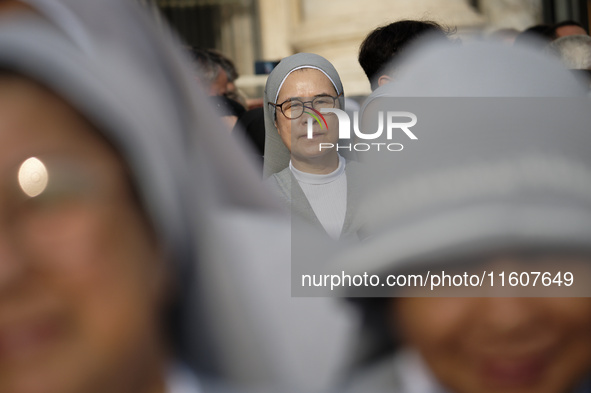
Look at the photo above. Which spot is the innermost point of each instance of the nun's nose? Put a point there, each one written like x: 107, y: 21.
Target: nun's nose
x: 308, y: 116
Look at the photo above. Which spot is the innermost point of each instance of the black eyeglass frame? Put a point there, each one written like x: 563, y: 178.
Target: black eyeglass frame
x: 280, y: 106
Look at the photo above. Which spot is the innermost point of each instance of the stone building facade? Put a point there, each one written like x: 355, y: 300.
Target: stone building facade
x: 251, y: 30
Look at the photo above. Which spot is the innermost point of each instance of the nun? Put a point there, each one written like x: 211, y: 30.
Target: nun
x: 493, y: 188
x: 138, y: 252
x: 309, y: 174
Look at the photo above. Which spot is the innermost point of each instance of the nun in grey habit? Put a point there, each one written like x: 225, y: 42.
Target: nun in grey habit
x: 308, y: 195
x: 224, y: 241
x: 498, y: 170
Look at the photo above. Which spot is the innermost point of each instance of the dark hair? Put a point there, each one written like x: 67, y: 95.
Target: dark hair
x: 385, y: 43
x: 205, y: 64
x: 224, y: 62
x: 567, y: 23
x: 538, y: 36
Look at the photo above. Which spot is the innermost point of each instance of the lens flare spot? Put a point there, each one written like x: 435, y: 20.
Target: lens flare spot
x: 33, y: 177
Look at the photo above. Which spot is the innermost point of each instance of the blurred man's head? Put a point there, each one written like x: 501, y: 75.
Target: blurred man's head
x: 384, y: 45
x: 227, y: 66
x: 568, y: 27
x: 213, y: 77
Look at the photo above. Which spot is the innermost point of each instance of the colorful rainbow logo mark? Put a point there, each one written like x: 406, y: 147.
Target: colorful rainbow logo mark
x: 317, y: 119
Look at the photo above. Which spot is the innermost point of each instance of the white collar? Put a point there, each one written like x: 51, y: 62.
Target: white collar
x: 312, y: 178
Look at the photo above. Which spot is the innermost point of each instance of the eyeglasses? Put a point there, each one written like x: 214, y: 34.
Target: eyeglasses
x: 293, y: 108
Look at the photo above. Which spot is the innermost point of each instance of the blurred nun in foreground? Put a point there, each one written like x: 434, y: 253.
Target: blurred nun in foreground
x: 131, y: 229
x: 496, y: 187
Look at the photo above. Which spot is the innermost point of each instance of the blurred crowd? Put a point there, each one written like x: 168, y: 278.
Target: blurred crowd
x: 157, y: 225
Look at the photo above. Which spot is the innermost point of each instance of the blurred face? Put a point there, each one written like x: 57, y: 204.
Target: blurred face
x: 499, y: 345
x: 81, y: 279
x: 570, y: 30
x: 306, y: 84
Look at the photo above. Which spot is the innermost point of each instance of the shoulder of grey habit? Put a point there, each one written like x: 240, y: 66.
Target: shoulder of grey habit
x: 289, y: 191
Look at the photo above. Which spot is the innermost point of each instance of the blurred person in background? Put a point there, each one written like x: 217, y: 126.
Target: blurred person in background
x: 541, y: 35
x: 216, y: 74
x: 230, y: 110
x: 384, y: 45
x: 568, y: 27
x: 212, y: 76
x: 497, y: 181
x: 228, y: 66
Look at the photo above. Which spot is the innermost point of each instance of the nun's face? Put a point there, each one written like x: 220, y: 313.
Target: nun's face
x: 306, y: 84
x: 500, y: 345
x: 81, y: 280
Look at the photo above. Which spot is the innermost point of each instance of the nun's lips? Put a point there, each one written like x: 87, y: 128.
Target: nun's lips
x: 28, y: 338
x: 514, y: 372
